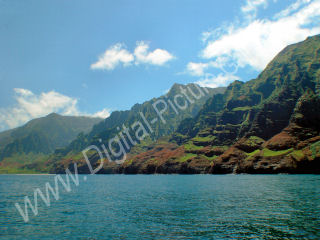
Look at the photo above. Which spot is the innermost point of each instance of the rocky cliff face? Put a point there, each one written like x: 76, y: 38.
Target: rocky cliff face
x: 296, y: 149
x: 266, y: 125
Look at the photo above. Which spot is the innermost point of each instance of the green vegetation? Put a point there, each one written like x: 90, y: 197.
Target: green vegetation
x: 186, y: 157
x: 25, y: 163
x: 152, y: 160
x: 210, y: 158
x: 142, y: 146
x: 79, y: 156
x: 297, y: 154
x: 255, y: 139
x: 254, y: 142
x: 315, y: 149
x: 189, y: 146
x: 23, y: 159
x: 253, y: 153
x: 128, y: 162
x: 269, y: 153
x: 246, y: 108
x: 203, y: 139
x: 12, y: 170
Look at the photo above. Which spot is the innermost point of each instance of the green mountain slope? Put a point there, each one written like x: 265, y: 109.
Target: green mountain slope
x: 43, y: 135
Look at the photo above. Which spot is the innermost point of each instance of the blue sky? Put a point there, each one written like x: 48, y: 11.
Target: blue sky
x: 94, y: 57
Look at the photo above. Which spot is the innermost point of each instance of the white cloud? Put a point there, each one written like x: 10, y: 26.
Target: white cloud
x: 258, y: 42
x: 216, y: 81
x: 156, y: 57
x: 226, y: 65
x: 206, y: 35
x: 251, y: 7
x: 112, y: 57
x: 197, y: 69
x: 23, y: 92
x: 29, y: 105
x: 292, y: 8
x: 117, y: 54
x: 104, y: 113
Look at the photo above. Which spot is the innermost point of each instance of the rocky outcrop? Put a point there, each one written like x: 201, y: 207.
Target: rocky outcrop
x: 296, y: 149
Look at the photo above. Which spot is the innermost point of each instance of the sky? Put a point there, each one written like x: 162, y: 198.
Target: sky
x: 94, y: 57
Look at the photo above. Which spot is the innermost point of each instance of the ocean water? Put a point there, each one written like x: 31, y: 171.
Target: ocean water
x: 165, y: 207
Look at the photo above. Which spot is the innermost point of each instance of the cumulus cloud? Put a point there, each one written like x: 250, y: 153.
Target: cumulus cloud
x: 258, y: 42
x: 156, y: 57
x: 197, y: 69
x: 212, y: 81
x: 226, y: 65
x: 29, y: 105
x: 112, y: 57
x: 117, y: 55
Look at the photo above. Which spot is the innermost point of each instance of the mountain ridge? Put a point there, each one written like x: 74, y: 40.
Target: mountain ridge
x: 41, y: 136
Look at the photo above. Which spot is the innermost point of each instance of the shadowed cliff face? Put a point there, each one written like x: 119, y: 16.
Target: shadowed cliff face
x: 296, y: 149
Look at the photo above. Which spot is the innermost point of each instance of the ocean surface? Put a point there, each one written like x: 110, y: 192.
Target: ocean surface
x: 165, y: 207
